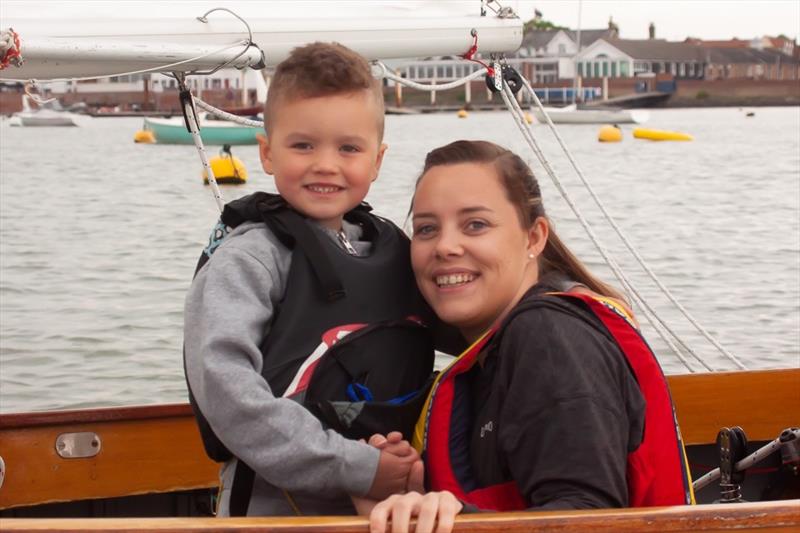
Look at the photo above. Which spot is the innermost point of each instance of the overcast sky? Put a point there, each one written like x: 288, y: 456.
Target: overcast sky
x: 674, y: 19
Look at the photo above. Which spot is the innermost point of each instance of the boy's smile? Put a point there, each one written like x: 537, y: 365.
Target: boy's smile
x: 324, y: 153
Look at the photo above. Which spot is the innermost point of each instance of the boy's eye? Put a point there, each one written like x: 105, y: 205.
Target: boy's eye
x: 301, y: 146
x: 350, y: 148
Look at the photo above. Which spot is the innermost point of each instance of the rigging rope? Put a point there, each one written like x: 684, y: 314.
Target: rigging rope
x: 652, y: 317
x: 658, y: 324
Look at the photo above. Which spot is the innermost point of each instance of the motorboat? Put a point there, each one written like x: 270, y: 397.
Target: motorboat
x: 47, y: 114
x: 572, y: 114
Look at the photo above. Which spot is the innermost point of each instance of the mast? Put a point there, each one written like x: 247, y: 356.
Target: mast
x: 575, y: 79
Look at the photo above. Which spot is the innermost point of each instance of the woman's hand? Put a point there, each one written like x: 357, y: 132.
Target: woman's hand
x: 437, y: 509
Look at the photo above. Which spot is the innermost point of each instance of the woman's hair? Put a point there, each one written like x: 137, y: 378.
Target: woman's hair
x: 522, y: 190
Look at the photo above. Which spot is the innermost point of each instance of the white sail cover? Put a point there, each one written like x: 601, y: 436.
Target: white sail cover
x: 79, y: 47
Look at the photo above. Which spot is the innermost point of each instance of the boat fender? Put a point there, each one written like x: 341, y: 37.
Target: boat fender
x: 609, y: 134
x: 226, y: 168
x: 144, y: 137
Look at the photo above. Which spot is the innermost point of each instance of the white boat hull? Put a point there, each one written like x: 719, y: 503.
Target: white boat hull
x: 571, y: 115
x: 48, y: 118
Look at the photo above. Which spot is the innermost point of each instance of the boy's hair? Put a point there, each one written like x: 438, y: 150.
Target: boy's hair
x: 322, y: 69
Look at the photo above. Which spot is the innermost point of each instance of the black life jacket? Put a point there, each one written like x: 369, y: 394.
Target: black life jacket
x: 349, y: 338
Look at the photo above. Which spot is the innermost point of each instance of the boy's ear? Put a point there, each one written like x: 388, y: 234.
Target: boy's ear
x: 379, y: 160
x: 264, y: 152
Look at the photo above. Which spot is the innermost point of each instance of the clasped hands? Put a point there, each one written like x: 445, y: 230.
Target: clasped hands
x: 398, y: 492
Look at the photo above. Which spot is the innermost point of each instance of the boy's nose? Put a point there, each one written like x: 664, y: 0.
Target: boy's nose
x: 324, y: 162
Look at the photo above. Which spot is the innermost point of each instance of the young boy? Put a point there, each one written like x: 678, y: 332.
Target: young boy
x: 267, y: 301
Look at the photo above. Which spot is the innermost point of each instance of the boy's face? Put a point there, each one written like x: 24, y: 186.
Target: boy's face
x: 324, y: 153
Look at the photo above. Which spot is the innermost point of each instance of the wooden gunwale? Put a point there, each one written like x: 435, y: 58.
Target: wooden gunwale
x: 157, y: 449
x: 764, y: 517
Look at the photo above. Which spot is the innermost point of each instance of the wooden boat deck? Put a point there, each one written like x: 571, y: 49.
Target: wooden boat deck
x: 763, y: 517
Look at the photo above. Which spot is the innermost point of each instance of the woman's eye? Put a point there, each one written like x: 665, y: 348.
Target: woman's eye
x: 476, y: 225
x: 425, y: 230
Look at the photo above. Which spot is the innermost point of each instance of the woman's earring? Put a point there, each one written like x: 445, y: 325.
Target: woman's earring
x: 531, y: 256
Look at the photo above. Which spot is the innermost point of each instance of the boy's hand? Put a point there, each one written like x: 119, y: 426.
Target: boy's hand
x: 400, y: 468
x: 394, y: 443
x: 392, y: 475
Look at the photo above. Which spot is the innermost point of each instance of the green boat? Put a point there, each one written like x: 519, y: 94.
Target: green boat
x: 173, y: 131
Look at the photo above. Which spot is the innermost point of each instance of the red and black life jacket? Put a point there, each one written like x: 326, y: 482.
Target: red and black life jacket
x: 657, y: 472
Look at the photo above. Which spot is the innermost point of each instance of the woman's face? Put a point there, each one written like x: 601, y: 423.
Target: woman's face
x: 470, y: 254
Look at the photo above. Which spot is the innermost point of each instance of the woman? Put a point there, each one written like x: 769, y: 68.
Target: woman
x: 547, y: 409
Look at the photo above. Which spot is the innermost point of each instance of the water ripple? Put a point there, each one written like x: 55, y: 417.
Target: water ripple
x: 93, y: 274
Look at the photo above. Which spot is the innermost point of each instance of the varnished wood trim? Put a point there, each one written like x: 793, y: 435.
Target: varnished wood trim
x: 136, y: 457
x: 762, y: 402
x: 103, y: 414
x: 157, y: 448
x: 781, y: 516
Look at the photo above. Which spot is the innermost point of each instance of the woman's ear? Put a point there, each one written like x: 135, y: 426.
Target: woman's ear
x: 264, y: 153
x: 537, y: 236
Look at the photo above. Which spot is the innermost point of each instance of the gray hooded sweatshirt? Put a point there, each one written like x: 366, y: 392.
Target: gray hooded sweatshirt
x: 227, y: 315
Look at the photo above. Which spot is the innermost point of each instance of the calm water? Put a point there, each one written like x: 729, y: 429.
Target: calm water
x: 99, y: 238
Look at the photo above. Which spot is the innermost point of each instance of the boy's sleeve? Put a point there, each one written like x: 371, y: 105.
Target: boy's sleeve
x: 227, y: 315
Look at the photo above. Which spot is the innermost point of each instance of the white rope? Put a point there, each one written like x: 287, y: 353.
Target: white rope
x: 649, y: 313
x: 229, y: 116
x: 625, y: 240
x: 386, y: 73
x: 191, y: 118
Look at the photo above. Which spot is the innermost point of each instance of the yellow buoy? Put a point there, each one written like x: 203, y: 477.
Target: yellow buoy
x: 528, y: 118
x: 661, y: 135
x: 226, y: 168
x: 462, y: 113
x: 144, y: 136
x: 609, y: 134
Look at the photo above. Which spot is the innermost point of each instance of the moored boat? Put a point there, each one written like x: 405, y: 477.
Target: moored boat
x: 218, y: 132
x: 49, y: 114
x: 572, y: 115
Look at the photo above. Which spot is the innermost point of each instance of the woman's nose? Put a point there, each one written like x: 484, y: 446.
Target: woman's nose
x: 448, y: 244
